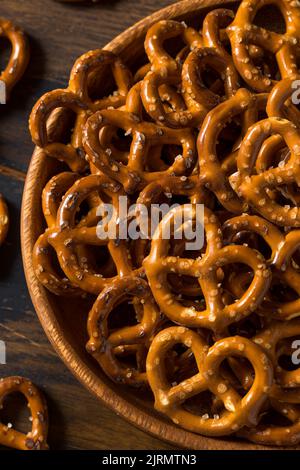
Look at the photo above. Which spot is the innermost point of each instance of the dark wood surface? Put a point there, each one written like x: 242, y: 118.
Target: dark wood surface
x: 58, y: 34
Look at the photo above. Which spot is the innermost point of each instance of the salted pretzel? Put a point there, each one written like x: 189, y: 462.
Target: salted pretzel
x: 216, y: 315
x: 242, y: 33
x: 103, y: 342
x: 145, y: 135
x: 4, y: 220
x: 165, y: 192
x: 13, y: 72
x: 280, y: 96
x: 254, y: 187
x: 211, y: 172
x: 36, y: 439
x: 277, y: 339
x: 76, y: 97
x: 67, y: 235
x: 165, y: 70
x: 282, y: 248
x: 237, y: 412
x: 212, y: 55
x: 274, y: 434
x: 19, y: 57
x: 43, y: 258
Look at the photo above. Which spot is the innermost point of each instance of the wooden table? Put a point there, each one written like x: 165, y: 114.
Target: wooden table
x: 58, y: 34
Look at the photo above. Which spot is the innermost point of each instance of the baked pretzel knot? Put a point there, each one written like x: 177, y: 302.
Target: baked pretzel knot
x: 105, y: 345
x: 216, y: 315
x: 237, y: 411
x: 19, y: 55
x: 254, y: 188
x: 285, y: 47
x: 36, y: 439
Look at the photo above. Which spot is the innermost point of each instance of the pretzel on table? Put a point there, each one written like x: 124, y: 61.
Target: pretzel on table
x: 36, y: 439
x: 242, y: 33
x: 4, y: 220
x: 19, y: 56
x: 12, y: 73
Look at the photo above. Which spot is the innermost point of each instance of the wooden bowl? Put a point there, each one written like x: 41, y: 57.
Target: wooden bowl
x: 64, y: 321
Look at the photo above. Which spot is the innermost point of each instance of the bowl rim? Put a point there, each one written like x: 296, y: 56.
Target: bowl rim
x: 143, y: 420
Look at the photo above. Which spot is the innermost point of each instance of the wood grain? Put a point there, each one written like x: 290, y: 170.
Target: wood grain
x: 59, y: 33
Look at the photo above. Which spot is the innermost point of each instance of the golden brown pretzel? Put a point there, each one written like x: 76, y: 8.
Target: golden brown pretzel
x: 285, y: 391
x: 280, y: 95
x: 242, y: 33
x: 274, y: 434
x: 103, y: 343
x: 13, y: 72
x: 43, y: 258
x: 160, y: 60
x: 216, y: 315
x: 282, y: 249
x: 165, y: 70
x: 77, y: 98
x: 145, y: 135
x: 19, y: 55
x: 237, y: 412
x: 211, y: 173
x: 36, y: 439
x: 67, y: 235
x: 254, y: 188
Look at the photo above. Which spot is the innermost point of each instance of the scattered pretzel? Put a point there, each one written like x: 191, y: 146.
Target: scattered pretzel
x: 36, y: 439
x: 19, y: 55
x: 13, y: 72
x: 4, y: 220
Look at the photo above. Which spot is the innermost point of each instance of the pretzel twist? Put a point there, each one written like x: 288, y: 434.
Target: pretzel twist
x: 238, y: 412
x: 76, y: 97
x: 103, y: 343
x: 211, y: 172
x: 216, y: 316
x: 242, y: 33
x: 36, y: 438
x: 282, y: 249
x: 254, y: 188
x: 145, y: 135
x: 19, y: 56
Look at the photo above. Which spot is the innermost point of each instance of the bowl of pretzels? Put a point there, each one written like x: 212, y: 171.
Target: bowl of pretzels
x: 195, y: 110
